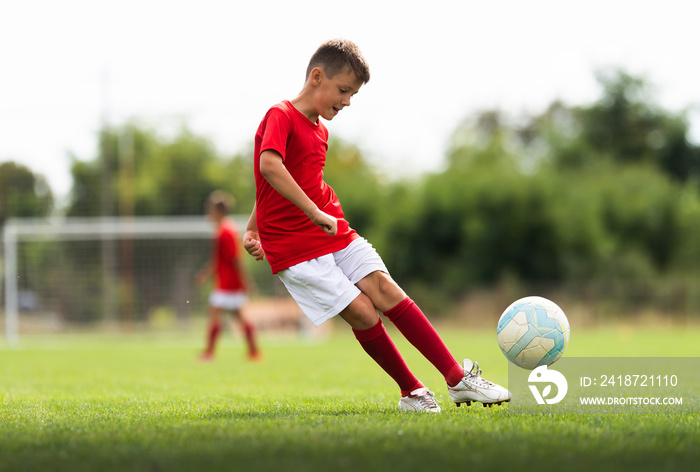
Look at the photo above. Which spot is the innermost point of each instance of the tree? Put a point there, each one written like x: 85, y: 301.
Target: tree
x: 23, y: 193
x: 357, y: 184
x: 572, y: 194
x: 138, y: 172
x: 624, y: 125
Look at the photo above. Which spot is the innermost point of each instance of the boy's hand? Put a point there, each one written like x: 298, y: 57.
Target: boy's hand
x: 328, y: 223
x: 251, y: 243
x: 202, y: 276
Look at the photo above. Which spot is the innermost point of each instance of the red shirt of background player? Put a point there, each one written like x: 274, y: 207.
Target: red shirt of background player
x: 287, y: 235
x: 225, y: 254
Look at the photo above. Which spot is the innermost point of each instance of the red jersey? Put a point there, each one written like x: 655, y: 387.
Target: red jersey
x: 226, y: 252
x: 287, y: 235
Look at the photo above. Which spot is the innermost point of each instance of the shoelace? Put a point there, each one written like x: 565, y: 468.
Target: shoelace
x: 428, y: 400
x: 475, y: 376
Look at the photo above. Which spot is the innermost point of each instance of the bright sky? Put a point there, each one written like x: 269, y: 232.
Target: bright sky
x: 217, y: 65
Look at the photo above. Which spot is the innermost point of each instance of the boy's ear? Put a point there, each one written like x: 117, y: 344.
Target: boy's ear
x: 315, y: 76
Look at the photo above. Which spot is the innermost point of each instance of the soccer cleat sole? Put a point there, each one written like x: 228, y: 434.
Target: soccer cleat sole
x: 469, y: 403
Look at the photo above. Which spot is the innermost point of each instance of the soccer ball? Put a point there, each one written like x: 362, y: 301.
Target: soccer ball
x: 533, y: 331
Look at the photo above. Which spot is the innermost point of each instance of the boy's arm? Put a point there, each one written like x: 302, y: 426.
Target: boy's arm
x: 204, y: 273
x: 273, y: 170
x: 251, y: 239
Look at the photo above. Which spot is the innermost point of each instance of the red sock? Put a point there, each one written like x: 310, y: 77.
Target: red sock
x: 214, y: 330
x: 413, y: 324
x: 249, y: 330
x: 377, y: 343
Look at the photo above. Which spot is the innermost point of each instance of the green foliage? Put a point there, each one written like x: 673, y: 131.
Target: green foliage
x: 625, y: 126
x: 356, y: 183
x: 23, y: 193
x: 174, y: 179
x: 470, y: 226
x: 606, y: 191
x: 139, y: 173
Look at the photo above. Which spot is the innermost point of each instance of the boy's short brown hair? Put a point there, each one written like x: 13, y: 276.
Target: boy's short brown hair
x: 335, y: 55
x: 220, y: 201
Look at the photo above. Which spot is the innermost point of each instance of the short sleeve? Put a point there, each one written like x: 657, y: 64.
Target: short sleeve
x: 276, y: 132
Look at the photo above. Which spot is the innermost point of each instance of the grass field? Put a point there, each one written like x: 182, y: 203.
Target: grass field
x: 142, y: 403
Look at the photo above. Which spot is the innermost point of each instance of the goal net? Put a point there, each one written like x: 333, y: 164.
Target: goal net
x: 108, y: 271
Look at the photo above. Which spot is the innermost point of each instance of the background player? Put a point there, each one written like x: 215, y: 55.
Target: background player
x: 230, y: 292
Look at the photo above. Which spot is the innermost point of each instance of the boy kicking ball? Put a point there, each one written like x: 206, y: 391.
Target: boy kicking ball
x: 298, y: 225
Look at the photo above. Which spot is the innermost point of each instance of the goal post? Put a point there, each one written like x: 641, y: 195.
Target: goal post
x: 11, y: 304
x: 88, y: 270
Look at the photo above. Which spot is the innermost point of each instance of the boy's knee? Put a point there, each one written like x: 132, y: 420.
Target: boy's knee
x: 389, y: 289
x: 382, y: 290
x: 361, y: 313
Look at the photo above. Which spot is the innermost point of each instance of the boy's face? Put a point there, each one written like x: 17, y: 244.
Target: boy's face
x: 334, y: 93
x: 215, y: 215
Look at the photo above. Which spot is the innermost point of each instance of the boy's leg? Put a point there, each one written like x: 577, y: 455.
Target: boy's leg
x: 372, y: 336
x: 323, y: 290
x: 249, y: 331
x: 465, y: 383
x: 213, y: 331
x: 412, y: 323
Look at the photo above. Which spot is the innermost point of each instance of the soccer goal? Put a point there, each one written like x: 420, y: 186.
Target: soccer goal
x: 89, y: 271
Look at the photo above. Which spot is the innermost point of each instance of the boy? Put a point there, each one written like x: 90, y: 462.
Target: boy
x: 297, y: 224
x: 230, y: 285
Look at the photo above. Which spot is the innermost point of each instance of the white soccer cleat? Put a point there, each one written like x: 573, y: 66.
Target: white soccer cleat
x: 421, y: 399
x: 474, y: 388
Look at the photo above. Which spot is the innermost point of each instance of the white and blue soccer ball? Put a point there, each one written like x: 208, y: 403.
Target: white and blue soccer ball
x: 533, y: 331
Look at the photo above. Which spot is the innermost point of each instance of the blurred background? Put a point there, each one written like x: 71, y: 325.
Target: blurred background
x: 499, y: 150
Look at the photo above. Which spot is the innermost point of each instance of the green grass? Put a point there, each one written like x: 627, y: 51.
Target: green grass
x: 142, y: 403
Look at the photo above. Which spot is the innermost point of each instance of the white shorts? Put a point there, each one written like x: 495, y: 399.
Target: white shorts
x: 227, y: 300
x: 325, y: 286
